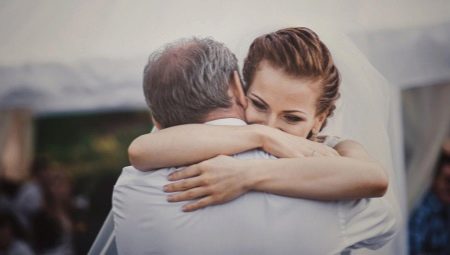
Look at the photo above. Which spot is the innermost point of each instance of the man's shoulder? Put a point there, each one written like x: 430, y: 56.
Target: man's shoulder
x: 133, y: 176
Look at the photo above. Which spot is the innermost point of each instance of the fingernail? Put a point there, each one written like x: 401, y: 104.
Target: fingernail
x: 170, y: 177
x: 165, y: 188
x: 169, y: 199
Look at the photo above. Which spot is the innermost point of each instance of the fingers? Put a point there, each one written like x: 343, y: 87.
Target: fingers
x: 187, y: 172
x: 204, y: 202
x: 188, y: 195
x: 183, y: 185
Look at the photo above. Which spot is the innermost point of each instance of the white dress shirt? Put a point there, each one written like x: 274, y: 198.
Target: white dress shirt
x: 255, y: 223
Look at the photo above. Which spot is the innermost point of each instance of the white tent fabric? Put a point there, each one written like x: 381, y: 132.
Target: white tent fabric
x: 409, y: 57
x: 95, y: 50
x: 83, y: 86
x: 46, y: 31
x: 63, y: 56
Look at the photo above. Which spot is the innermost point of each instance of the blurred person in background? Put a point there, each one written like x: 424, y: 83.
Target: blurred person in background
x: 29, y: 198
x: 11, y: 242
x: 53, y: 224
x: 429, y: 225
x: 14, y: 222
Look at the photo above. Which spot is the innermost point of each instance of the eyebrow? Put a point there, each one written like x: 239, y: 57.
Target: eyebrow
x: 288, y: 111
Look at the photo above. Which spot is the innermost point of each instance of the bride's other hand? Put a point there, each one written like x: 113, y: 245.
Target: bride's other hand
x: 214, y: 181
x: 285, y: 145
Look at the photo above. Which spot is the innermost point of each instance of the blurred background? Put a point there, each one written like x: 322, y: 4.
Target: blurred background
x: 71, y: 102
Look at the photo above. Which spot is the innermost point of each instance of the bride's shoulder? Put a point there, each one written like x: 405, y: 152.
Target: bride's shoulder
x: 330, y: 140
x: 341, y: 144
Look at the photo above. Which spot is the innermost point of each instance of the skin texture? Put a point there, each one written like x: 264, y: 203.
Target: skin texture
x: 283, y: 102
x: 282, y: 109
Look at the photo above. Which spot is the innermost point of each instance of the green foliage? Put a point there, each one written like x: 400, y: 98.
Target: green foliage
x: 92, y: 148
x: 85, y: 144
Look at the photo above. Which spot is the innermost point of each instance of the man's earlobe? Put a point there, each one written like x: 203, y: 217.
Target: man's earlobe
x: 156, y: 123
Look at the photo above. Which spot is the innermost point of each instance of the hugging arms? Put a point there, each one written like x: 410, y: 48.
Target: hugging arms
x: 305, y: 169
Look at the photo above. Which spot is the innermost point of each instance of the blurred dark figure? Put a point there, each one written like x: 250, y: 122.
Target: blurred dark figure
x: 53, y: 225
x: 430, y: 222
x: 10, y: 236
x: 30, y: 198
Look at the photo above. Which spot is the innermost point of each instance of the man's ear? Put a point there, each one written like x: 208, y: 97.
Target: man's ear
x: 156, y: 123
x: 238, y: 89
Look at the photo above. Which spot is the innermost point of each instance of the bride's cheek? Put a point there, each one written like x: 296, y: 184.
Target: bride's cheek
x: 252, y: 116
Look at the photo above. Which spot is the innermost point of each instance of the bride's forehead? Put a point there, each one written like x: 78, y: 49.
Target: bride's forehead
x: 273, y: 78
x: 272, y: 85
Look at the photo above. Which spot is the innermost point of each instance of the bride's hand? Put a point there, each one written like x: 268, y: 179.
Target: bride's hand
x: 285, y: 145
x: 214, y: 181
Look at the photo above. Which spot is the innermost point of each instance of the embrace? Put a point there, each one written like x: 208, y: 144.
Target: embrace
x: 239, y: 166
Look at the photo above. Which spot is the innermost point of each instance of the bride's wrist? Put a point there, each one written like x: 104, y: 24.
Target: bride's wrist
x: 259, y: 135
x: 250, y: 178
x: 255, y: 175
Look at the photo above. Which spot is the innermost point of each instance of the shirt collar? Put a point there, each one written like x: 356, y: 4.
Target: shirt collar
x: 227, y: 122
x: 219, y: 122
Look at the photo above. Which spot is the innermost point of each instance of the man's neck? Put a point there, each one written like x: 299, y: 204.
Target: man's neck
x: 232, y: 112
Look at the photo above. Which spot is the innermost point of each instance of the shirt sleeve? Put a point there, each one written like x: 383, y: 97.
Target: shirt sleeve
x: 367, y: 223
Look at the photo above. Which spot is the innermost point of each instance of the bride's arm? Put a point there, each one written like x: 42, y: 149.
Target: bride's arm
x: 192, y: 143
x: 353, y: 175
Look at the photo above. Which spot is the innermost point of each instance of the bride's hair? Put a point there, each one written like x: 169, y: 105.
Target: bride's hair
x: 298, y: 52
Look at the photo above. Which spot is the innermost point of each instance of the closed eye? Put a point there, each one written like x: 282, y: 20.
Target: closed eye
x: 293, y: 118
x: 258, y: 105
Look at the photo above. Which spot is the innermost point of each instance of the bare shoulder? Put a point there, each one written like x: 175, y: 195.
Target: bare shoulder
x: 348, y: 143
x: 351, y: 148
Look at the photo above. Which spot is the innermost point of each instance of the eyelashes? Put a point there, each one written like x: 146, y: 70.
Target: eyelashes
x: 292, y: 118
x: 289, y: 118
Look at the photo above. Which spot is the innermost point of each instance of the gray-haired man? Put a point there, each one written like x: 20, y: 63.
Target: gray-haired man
x: 195, y: 81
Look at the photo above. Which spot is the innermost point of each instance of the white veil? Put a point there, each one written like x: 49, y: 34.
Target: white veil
x: 362, y: 114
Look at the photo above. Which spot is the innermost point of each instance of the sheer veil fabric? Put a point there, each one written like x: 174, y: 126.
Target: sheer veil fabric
x: 362, y: 114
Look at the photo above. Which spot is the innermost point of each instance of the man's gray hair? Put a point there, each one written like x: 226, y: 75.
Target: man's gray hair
x: 188, y: 79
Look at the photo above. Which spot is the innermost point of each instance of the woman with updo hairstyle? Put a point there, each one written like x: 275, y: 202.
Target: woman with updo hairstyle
x: 297, y: 53
x: 304, y: 56
x: 291, y: 85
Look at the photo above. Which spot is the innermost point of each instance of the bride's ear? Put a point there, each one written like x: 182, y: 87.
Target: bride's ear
x: 238, y: 89
x: 318, y: 122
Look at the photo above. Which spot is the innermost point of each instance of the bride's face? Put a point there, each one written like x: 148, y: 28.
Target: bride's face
x: 281, y: 101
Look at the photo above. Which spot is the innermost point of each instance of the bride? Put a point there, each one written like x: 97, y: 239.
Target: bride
x: 292, y: 86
